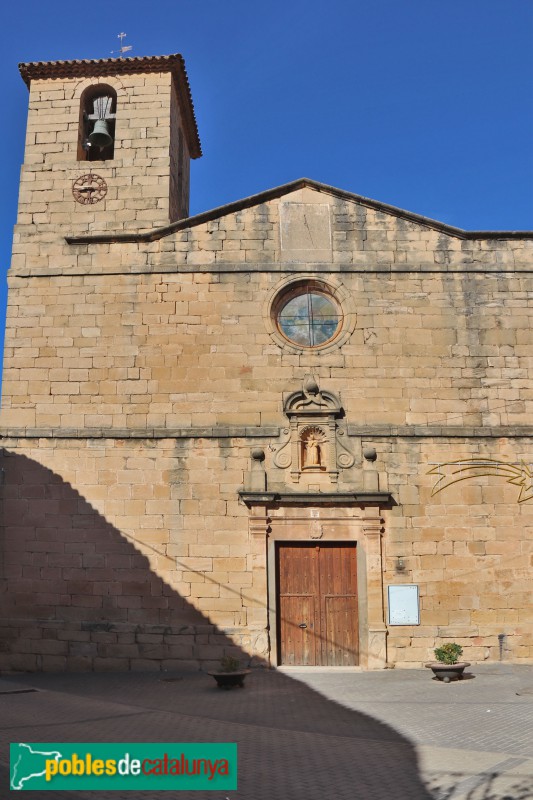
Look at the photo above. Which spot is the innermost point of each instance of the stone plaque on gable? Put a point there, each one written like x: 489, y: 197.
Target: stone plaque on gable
x: 305, y: 231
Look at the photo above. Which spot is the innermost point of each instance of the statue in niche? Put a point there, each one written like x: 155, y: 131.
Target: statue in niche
x: 312, y: 452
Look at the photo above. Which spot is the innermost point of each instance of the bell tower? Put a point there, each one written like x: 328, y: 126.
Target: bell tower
x: 108, y: 147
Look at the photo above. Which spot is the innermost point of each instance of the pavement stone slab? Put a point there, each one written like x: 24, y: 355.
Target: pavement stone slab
x: 301, y: 735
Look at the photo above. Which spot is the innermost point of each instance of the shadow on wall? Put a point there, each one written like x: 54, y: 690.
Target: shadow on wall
x: 77, y: 595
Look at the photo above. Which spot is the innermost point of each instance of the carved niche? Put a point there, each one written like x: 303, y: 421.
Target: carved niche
x: 314, y: 440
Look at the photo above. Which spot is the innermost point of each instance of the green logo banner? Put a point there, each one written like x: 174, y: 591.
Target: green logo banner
x: 104, y: 767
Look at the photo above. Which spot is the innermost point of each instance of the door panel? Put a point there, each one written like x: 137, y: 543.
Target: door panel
x: 339, y: 644
x: 298, y: 570
x: 317, y: 588
x: 298, y: 575
x: 299, y: 642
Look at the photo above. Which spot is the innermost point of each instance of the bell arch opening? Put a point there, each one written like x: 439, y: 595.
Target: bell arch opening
x: 96, y: 136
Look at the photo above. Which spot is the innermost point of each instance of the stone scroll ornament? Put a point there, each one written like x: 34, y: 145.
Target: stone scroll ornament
x: 451, y: 472
x: 283, y: 455
x: 345, y: 457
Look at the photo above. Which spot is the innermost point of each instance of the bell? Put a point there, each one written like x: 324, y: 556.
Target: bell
x: 100, y: 136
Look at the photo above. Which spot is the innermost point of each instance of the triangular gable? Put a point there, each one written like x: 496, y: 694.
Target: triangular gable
x: 280, y: 192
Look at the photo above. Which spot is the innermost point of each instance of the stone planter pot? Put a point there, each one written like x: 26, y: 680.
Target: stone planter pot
x: 228, y: 680
x: 448, y: 672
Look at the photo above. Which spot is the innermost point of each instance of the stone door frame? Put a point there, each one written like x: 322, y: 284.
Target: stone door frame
x: 334, y: 518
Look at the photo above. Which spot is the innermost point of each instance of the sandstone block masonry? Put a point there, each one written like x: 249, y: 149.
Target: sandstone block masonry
x: 145, y: 361
x: 141, y: 393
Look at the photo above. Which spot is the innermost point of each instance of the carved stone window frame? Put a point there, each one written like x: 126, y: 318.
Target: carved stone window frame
x: 329, y: 286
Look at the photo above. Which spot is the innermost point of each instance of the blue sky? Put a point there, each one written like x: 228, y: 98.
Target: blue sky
x: 423, y: 104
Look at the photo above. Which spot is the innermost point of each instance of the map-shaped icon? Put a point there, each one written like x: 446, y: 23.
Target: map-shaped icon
x: 27, y: 763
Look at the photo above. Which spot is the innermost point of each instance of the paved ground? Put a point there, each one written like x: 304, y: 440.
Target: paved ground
x: 302, y: 735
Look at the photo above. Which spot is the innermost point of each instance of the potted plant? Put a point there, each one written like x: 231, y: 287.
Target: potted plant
x: 448, y: 667
x: 230, y: 673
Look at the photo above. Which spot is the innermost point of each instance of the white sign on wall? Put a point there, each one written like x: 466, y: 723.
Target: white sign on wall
x: 404, y: 608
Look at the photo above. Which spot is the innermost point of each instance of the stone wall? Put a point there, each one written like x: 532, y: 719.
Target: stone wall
x: 126, y: 554
x: 446, y: 345
x: 138, y: 375
x: 468, y: 547
x: 137, y: 177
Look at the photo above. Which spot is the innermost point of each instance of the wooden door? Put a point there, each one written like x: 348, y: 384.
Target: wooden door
x: 317, y: 604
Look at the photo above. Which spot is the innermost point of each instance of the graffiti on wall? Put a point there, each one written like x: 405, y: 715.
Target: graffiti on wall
x: 450, y: 472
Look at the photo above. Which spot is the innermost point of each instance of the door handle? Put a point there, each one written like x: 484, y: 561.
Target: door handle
x: 302, y: 625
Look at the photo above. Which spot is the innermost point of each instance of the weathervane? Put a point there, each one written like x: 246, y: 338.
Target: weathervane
x: 123, y: 48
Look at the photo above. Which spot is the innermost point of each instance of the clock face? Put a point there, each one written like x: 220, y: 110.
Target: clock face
x: 89, y: 189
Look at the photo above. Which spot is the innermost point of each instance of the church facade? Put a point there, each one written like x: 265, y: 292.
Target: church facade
x: 295, y: 429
